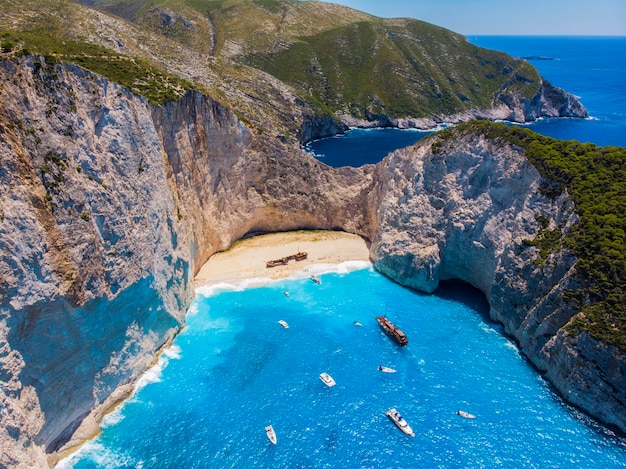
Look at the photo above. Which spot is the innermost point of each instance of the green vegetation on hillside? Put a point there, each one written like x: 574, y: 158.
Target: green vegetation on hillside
x: 137, y: 74
x: 595, y: 178
x: 401, y: 68
x: 341, y: 60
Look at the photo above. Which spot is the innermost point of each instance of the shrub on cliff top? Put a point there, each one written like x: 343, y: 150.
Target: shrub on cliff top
x: 140, y: 76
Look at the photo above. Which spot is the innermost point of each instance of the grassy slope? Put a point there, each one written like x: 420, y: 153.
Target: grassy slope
x: 50, y: 32
x: 595, y: 178
x: 341, y: 59
x: 398, y: 67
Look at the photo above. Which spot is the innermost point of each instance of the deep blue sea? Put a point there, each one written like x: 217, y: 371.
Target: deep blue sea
x: 233, y: 369
x: 592, y: 68
x: 357, y: 147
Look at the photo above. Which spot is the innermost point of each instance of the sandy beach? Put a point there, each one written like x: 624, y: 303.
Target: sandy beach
x: 246, y: 259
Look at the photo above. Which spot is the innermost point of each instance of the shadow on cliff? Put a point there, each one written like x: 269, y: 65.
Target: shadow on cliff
x: 462, y: 292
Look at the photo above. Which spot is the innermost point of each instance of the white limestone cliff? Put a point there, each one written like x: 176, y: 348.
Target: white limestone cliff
x: 110, y: 205
x: 464, y: 212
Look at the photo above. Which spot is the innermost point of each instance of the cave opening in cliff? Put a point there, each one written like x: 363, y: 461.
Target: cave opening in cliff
x: 463, y: 292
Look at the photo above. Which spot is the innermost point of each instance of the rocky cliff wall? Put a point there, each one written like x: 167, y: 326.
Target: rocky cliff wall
x: 466, y: 210
x: 95, y: 270
x: 110, y: 204
x: 549, y: 101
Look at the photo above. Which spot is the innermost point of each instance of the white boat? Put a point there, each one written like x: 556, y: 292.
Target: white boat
x: 283, y: 323
x: 465, y: 415
x: 271, y: 434
x: 402, y: 424
x: 286, y: 293
x: 316, y: 279
x: 386, y: 369
x: 358, y: 324
x: 327, y: 379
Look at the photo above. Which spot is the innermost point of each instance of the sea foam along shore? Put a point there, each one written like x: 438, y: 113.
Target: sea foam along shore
x: 246, y: 259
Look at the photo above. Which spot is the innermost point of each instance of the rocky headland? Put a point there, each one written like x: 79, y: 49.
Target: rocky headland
x: 112, y: 204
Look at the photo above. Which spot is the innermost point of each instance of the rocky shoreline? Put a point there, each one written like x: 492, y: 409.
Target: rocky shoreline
x: 549, y: 101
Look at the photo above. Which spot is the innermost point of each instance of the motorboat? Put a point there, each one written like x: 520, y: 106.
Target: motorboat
x: 358, y: 324
x: 316, y: 279
x: 465, y: 415
x: 386, y: 369
x: 399, y: 421
x: 327, y: 379
x: 271, y: 434
x: 283, y: 323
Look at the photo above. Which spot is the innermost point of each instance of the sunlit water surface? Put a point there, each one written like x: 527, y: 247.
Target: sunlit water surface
x: 233, y: 370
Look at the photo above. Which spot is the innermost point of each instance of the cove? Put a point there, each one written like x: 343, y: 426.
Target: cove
x: 357, y: 147
x: 234, y: 369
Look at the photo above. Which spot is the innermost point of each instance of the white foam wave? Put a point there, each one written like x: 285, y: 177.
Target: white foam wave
x: 153, y: 374
x: 521, y: 124
x: 320, y: 269
x: 441, y: 126
x: 172, y: 352
x: 193, y: 309
x: 257, y: 282
x: 101, y: 456
x: 512, y: 346
x: 212, y: 290
x: 112, y: 418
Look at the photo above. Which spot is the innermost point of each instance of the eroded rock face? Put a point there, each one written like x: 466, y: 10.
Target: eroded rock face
x: 549, y: 101
x: 590, y: 373
x: 464, y: 212
x: 110, y: 205
x: 96, y: 274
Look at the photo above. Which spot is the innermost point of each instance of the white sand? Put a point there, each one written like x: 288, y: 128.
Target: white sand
x: 246, y: 259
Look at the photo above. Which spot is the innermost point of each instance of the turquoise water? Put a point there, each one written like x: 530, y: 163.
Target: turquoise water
x: 233, y: 370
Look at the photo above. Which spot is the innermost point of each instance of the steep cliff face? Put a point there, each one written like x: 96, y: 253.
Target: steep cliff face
x: 466, y: 210
x: 230, y: 182
x: 95, y: 269
x: 109, y: 206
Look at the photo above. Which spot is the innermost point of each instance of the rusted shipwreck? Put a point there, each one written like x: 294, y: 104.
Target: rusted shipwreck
x: 299, y: 256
